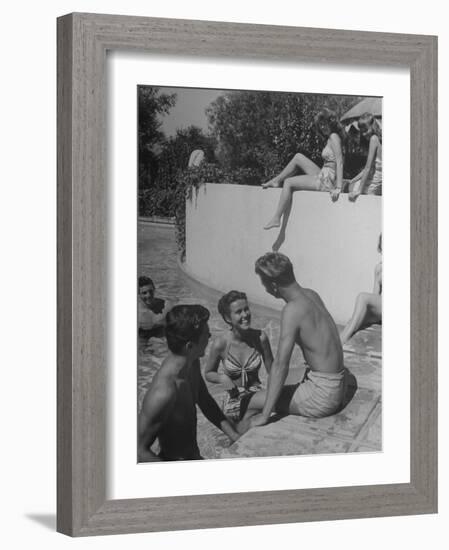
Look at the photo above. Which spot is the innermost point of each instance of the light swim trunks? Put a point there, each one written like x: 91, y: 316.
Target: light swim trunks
x: 320, y: 393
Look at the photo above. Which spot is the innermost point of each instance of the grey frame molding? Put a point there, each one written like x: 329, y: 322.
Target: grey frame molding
x: 83, y: 40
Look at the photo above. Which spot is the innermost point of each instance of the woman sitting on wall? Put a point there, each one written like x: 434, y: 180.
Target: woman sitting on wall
x: 368, y: 305
x: 371, y: 175
x: 328, y: 178
x: 241, y: 352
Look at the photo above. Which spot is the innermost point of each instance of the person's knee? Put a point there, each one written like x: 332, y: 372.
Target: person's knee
x: 299, y: 158
x: 288, y: 183
x: 363, y: 298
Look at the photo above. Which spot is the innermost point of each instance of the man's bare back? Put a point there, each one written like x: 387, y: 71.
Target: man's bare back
x: 316, y: 332
x: 177, y: 426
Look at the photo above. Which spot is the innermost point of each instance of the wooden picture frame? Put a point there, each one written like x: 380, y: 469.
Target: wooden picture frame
x: 83, y: 40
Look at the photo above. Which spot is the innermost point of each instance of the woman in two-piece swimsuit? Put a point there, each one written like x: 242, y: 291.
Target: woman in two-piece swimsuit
x: 370, y: 178
x: 328, y: 178
x: 241, y: 351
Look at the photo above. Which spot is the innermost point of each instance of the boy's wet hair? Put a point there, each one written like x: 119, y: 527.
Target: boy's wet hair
x: 183, y: 324
x: 145, y: 281
x: 274, y: 267
x: 224, y: 303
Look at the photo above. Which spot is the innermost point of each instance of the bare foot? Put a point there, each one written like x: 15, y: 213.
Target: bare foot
x: 278, y: 242
x: 275, y: 222
x: 272, y: 183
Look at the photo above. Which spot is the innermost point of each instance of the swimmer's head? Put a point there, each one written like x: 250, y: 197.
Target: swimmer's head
x: 146, y: 290
x: 186, y: 329
x: 275, y: 271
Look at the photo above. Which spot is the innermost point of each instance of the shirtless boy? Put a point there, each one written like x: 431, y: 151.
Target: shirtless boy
x: 169, y: 407
x: 305, y: 322
x: 151, y: 310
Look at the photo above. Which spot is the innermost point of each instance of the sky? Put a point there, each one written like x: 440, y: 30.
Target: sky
x: 189, y: 109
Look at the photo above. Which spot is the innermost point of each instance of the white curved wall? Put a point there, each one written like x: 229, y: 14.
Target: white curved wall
x: 333, y: 246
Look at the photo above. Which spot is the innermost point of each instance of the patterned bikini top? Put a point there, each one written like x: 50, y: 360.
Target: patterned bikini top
x: 234, y: 369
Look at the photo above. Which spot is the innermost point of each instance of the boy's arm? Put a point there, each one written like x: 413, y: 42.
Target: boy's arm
x: 266, y: 351
x: 157, y: 405
x: 212, y: 411
x: 279, y: 370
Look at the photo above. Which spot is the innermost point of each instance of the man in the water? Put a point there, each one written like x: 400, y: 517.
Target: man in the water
x: 305, y: 322
x: 151, y: 310
x: 169, y: 407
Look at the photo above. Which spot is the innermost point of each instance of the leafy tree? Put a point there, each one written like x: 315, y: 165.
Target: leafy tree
x: 263, y: 130
x: 151, y: 104
x: 163, y: 197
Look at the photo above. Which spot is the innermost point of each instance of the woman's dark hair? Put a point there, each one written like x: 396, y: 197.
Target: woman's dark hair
x: 184, y: 323
x: 330, y: 118
x: 224, y: 303
x: 368, y: 120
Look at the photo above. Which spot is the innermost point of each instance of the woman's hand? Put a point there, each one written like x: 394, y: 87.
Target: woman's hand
x: 335, y: 193
x: 353, y: 195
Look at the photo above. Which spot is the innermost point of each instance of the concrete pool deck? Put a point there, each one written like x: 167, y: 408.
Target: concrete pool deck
x: 356, y: 428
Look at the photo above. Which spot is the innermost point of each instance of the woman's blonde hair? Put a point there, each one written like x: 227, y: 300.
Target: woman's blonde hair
x: 368, y: 120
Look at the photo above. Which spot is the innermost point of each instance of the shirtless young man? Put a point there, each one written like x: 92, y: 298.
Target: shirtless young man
x: 169, y: 406
x: 151, y: 310
x: 305, y: 322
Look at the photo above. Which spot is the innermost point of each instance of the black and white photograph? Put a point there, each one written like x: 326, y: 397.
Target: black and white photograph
x: 259, y: 284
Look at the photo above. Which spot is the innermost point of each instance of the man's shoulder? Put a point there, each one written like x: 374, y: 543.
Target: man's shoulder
x: 298, y: 304
x: 160, y: 393
x: 165, y: 378
x: 293, y: 311
x: 299, y: 308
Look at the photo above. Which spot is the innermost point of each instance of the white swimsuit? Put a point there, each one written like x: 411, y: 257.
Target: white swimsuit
x: 328, y: 174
